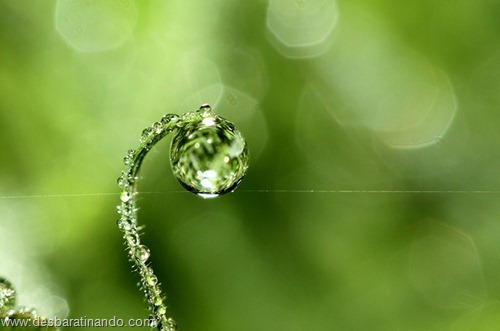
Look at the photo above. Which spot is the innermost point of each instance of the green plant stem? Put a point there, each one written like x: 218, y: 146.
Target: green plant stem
x: 222, y: 163
x: 139, y: 253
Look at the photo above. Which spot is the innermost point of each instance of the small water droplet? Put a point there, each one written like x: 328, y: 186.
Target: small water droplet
x: 155, y: 289
x: 124, y: 224
x: 126, y: 209
x: 209, y: 156
x: 157, y: 127
x: 151, y: 279
x: 146, y: 133
x: 22, y: 313
x: 120, y: 181
x: 120, y: 210
x: 205, y: 110
x: 132, y: 240
x: 7, y: 295
x: 190, y: 116
x: 158, y: 301
x: 142, y: 253
x: 129, y: 158
x: 152, y: 322
x: 124, y: 180
x: 172, y: 324
x: 28, y: 311
x: 125, y: 196
x: 169, y: 118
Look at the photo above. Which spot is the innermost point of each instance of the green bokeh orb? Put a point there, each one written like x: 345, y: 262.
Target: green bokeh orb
x: 209, y: 156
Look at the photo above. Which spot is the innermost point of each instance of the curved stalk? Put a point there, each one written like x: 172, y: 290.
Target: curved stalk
x: 139, y: 253
x: 209, y: 157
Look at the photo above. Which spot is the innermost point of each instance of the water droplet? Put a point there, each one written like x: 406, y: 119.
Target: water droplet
x: 124, y: 224
x: 209, y: 156
x: 27, y: 311
x: 188, y: 117
x: 169, y: 118
x: 122, y: 210
x: 151, y: 279
x: 124, y: 180
x: 152, y: 322
x: 129, y: 158
x: 158, y: 301
x: 132, y: 240
x: 121, y: 181
x: 172, y: 324
x: 205, y: 110
x: 126, y: 209
x: 157, y: 127
x: 142, y: 253
x: 125, y: 196
x: 146, y: 133
x: 7, y: 295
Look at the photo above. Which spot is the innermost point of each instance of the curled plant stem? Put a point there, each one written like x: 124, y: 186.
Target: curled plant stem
x: 209, y: 157
x: 139, y: 253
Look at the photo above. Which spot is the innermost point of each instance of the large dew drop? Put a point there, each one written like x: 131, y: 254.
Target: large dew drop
x: 209, y: 155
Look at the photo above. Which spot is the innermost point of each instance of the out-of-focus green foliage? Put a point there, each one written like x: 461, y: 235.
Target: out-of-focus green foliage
x: 371, y: 198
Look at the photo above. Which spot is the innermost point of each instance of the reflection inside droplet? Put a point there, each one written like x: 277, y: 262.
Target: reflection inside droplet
x: 142, y: 253
x: 208, y: 195
x: 207, y: 179
x: 125, y: 196
x: 209, y: 121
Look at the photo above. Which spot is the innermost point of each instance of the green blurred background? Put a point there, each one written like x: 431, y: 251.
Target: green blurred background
x: 354, y: 112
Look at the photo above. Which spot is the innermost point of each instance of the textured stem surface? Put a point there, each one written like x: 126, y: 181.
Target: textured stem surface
x: 209, y: 157
x: 139, y: 253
